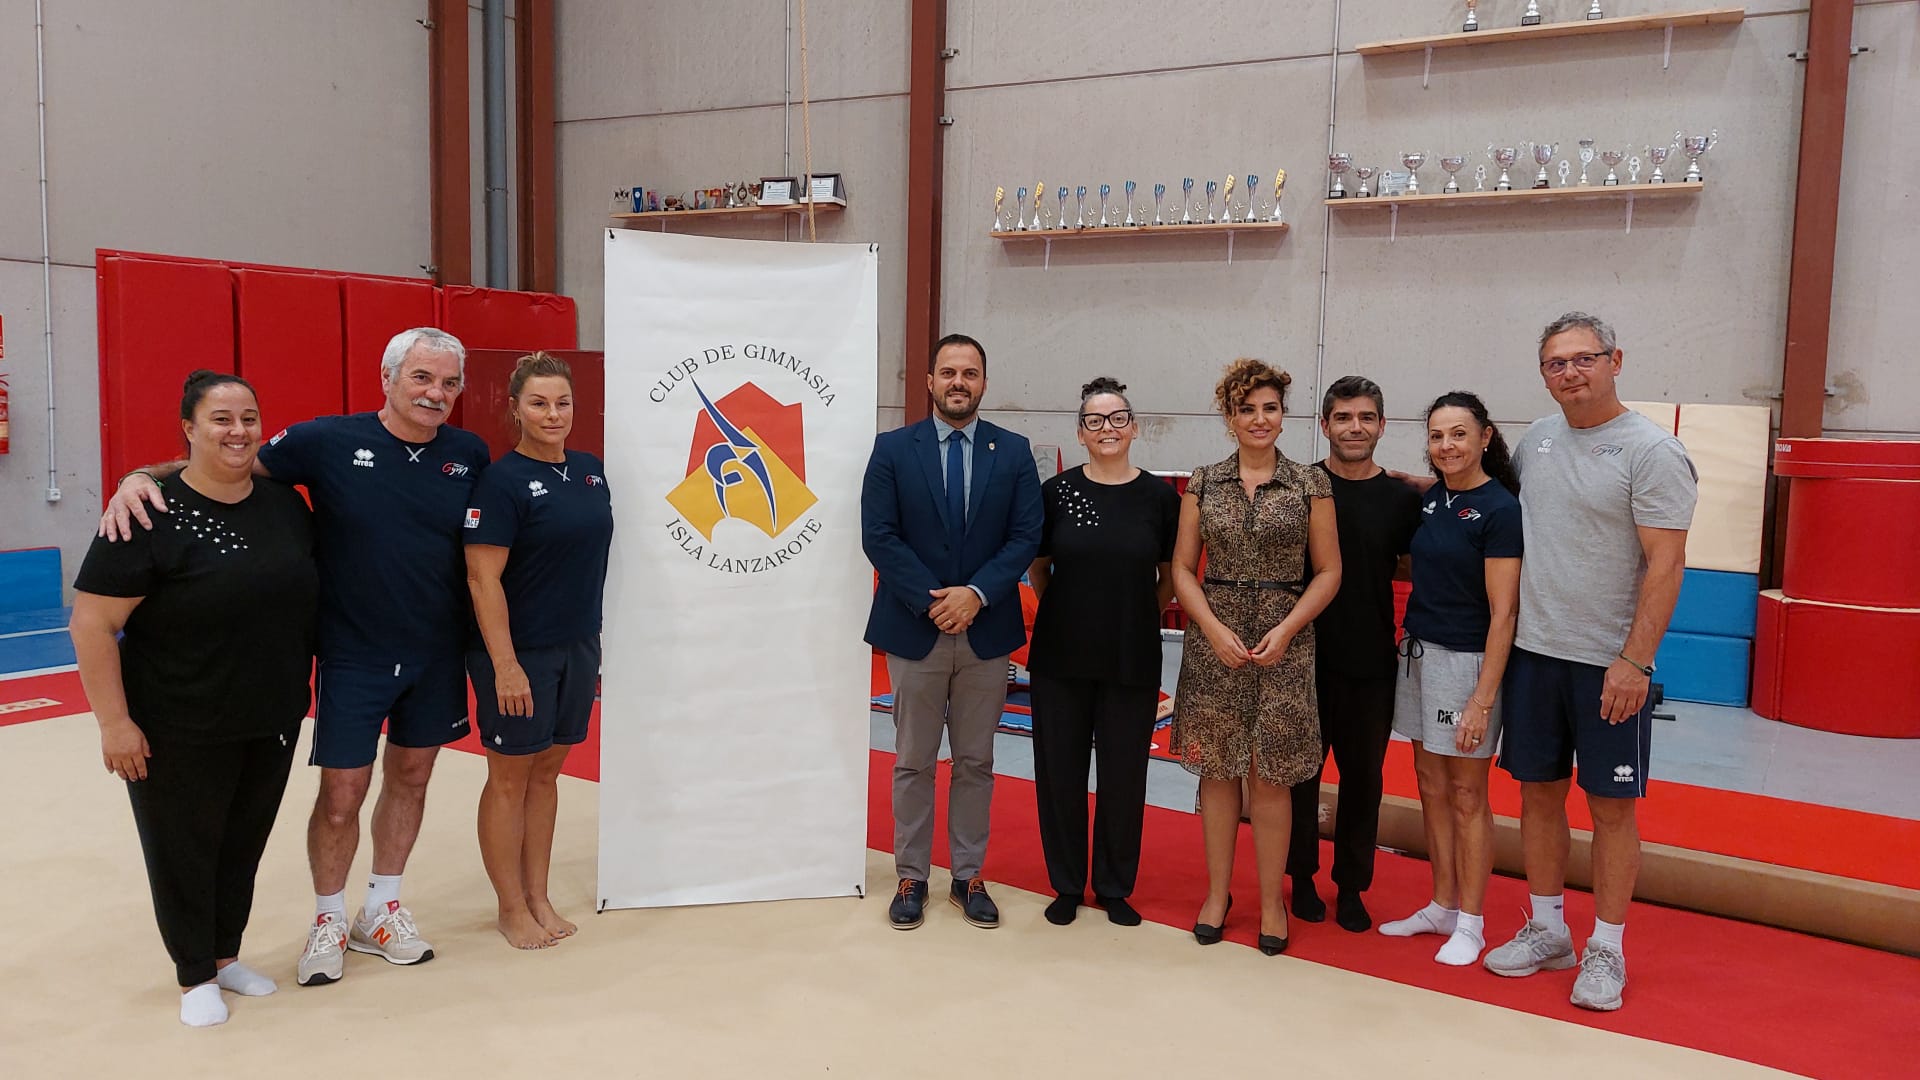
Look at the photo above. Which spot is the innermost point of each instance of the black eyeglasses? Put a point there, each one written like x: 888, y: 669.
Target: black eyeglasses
x: 1094, y: 421
x: 1583, y: 362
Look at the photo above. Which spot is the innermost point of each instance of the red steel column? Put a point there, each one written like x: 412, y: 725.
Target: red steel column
x: 926, y: 103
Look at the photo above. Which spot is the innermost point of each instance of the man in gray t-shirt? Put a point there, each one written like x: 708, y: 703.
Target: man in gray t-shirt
x: 1607, y: 497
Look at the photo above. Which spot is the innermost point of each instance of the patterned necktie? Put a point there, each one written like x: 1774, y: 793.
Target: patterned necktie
x: 956, y: 485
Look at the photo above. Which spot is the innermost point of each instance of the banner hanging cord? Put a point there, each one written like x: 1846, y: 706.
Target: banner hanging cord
x: 806, y: 124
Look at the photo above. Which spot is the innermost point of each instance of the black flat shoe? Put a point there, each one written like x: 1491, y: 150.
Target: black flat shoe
x: 1119, y: 912
x: 1273, y: 946
x: 1207, y: 934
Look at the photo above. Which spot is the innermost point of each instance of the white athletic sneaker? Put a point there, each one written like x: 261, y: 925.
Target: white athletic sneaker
x: 1423, y: 921
x: 1603, y: 978
x: 323, y: 961
x: 1534, y: 948
x: 391, y: 934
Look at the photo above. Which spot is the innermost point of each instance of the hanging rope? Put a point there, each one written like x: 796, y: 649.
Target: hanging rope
x: 806, y: 124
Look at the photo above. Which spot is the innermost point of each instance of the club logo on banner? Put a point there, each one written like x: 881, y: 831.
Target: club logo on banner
x: 746, y: 459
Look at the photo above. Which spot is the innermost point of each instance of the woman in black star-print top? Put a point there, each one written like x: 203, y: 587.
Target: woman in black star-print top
x: 1104, y: 575
x: 200, y: 702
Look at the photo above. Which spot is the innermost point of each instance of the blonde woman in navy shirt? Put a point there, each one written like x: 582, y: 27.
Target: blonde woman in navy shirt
x: 537, y: 537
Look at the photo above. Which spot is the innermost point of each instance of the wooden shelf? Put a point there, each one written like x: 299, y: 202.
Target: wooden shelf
x: 1490, y: 35
x: 650, y: 217
x: 1576, y: 193
x: 1141, y: 230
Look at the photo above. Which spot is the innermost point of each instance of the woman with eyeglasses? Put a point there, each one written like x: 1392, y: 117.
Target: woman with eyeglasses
x: 1104, y: 575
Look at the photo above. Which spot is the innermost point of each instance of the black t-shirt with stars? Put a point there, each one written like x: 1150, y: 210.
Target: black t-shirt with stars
x: 221, y: 647
x: 1099, y: 618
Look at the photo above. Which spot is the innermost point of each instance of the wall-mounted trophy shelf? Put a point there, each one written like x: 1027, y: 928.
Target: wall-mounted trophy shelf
x: 1273, y: 228
x: 1490, y: 35
x: 1627, y: 193
x: 661, y: 217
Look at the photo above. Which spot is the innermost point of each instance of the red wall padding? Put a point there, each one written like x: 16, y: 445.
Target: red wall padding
x: 376, y: 309
x: 290, y: 344
x: 500, y: 319
x: 159, y: 321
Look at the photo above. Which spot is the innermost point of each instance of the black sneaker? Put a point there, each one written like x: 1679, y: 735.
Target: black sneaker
x: 909, y: 907
x: 970, y: 896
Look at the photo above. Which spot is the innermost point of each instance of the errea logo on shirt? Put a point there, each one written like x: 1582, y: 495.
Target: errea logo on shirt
x: 1545, y: 447
x: 1623, y: 774
x: 537, y: 488
x: 363, y: 458
x: 1428, y: 509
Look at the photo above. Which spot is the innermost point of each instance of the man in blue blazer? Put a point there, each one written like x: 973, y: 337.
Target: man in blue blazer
x: 950, y: 518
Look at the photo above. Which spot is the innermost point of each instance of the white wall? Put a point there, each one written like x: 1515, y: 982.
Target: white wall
x: 277, y: 131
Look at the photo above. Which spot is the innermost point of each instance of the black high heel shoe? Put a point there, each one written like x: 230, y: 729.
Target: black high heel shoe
x: 1273, y: 946
x: 1207, y: 934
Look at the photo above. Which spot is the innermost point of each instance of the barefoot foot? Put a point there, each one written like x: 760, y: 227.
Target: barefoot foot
x: 523, y: 931
x: 557, y: 927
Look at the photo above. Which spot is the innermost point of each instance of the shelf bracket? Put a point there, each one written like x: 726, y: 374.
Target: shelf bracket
x: 663, y: 224
x: 1393, y: 221
x: 1229, y: 247
x: 1629, y: 213
x: 1427, y: 72
x: 1666, y: 57
x: 1046, y: 258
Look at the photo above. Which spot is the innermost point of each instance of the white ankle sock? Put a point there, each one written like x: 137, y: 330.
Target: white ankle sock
x: 244, y: 981
x: 202, y: 1006
x: 334, y: 904
x: 382, y: 889
x: 1606, y: 933
x: 1463, y: 948
x: 1432, y: 919
x: 1550, y: 911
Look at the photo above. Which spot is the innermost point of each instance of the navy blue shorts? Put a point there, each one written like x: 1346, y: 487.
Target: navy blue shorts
x: 1552, y: 713
x: 564, y: 679
x: 423, y: 705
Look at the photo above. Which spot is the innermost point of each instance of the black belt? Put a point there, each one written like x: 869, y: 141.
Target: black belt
x: 1294, y: 587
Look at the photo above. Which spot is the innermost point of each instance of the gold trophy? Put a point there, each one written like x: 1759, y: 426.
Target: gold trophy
x: 1226, y: 200
x: 999, y: 211
x: 1279, y: 185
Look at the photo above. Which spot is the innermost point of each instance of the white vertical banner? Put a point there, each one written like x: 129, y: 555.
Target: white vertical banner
x: 740, y: 412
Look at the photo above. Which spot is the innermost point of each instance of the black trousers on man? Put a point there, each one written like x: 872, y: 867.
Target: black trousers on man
x: 1076, y: 721
x: 1356, y: 723
x: 204, y: 814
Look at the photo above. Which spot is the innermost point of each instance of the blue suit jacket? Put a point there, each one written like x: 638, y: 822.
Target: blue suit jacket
x: 903, y: 512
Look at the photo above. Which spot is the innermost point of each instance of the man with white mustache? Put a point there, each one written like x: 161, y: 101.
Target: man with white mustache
x: 389, y: 491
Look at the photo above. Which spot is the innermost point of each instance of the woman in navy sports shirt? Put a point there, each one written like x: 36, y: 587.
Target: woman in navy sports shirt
x: 537, y: 538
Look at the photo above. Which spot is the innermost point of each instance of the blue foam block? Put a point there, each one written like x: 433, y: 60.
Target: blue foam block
x: 29, y: 579
x: 32, y: 652
x: 1718, y: 603
x: 1706, y: 668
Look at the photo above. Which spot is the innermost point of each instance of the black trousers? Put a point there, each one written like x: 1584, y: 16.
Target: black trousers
x: 1356, y: 723
x: 204, y: 814
x: 1075, y: 721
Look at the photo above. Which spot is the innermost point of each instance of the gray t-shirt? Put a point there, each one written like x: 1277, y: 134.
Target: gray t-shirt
x: 1583, y: 494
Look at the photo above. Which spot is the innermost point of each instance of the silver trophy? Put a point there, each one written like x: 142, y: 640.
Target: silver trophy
x: 1105, y: 190
x: 1020, y: 209
x: 1063, y: 208
x: 1532, y: 16
x: 1186, y: 201
x: 1253, y: 194
x: 1365, y: 173
x: 1565, y: 170
x: 1542, y: 156
x: 1586, y: 159
x: 1452, y: 163
x: 1633, y: 169
x: 1504, y: 157
x: 1413, y: 162
x: 1159, y: 196
x: 1212, y: 186
x: 1696, y: 146
x: 1658, y: 155
x: 1479, y: 178
x: 1080, y: 200
x: 1613, y: 158
x: 1140, y: 211
x: 1473, y: 18
x: 1129, y: 218
x: 1044, y: 216
x: 1594, y: 12
x: 1337, y: 164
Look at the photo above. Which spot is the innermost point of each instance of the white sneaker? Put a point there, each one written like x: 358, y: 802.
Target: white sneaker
x: 1534, y: 948
x: 390, y: 934
x: 323, y: 961
x: 1603, y: 978
x: 1423, y: 921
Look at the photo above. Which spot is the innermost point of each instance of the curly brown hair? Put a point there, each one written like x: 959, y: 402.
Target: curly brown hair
x: 1243, y: 377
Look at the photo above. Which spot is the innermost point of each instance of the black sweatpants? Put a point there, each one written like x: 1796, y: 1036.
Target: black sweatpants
x: 1075, y: 721
x: 1356, y: 723
x: 204, y: 814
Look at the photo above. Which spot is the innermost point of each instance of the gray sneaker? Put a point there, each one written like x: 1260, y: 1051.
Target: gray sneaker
x: 1534, y: 948
x: 1603, y: 978
x: 391, y: 934
x: 322, y: 961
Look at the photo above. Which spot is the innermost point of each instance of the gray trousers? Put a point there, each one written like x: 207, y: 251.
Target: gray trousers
x: 964, y: 694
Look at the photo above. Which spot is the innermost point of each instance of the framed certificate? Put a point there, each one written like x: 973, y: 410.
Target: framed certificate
x: 777, y: 190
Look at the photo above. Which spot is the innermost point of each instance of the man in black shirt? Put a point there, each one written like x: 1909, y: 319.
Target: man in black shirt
x: 1377, y: 515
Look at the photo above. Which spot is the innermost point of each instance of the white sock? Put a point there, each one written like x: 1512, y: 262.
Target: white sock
x: 244, y: 981
x: 202, y: 1006
x: 334, y: 904
x: 1606, y: 933
x: 382, y: 889
x: 1432, y: 919
x: 1463, y: 948
x: 1550, y: 912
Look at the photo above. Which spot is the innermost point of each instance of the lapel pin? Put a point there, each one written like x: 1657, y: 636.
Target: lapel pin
x: 989, y: 446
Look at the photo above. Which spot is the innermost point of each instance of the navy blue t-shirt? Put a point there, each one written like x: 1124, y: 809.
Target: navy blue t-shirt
x: 558, y: 522
x: 393, y: 577
x: 1459, y: 531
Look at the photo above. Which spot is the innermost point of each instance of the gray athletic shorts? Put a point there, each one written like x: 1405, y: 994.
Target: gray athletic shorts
x: 1431, y: 696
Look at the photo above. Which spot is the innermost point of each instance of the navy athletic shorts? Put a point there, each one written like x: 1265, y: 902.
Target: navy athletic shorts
x: 1552, y: 714
x: 423, y: 705
x: 564, y: 679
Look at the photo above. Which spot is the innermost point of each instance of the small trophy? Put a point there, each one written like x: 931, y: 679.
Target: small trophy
x: 1658, y: 155
x: 1413, y: 162
x: 1186, y: 201
x: 1633, y: 169
x: 1020, y: 210
x: 1594, y: 12
x: 1337, y: 164
x: 1504, y: 157
x: 1542, y: 156
x: 1565, y: 170
x: 1159, y: 195
x: 1043, y: 216
x: 1253, y: 188
x: 1212, y: 186
x: 1365, y: 173
x: 1139, y: 211
x: 1473, y: 18
x: 1063, y: 207
x: 1532, y: 16
x: 1479, y: 178
x: 1696, y: 146
x: 1613, y: 158
x: 1452, y: 163
x: 1000, y: 209
x: 1105, y: 190
x: 1080, y: 200
x: 1129, y: 218
x: 1586, y: 159
x: 1226, y: 201
x: 1279, y: 185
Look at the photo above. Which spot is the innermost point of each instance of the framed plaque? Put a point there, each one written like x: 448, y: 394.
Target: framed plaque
x: 827, y: 188
x: 777, y: 190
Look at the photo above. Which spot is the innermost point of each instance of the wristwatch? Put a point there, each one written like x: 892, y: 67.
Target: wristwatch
x: 1644, y: 669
